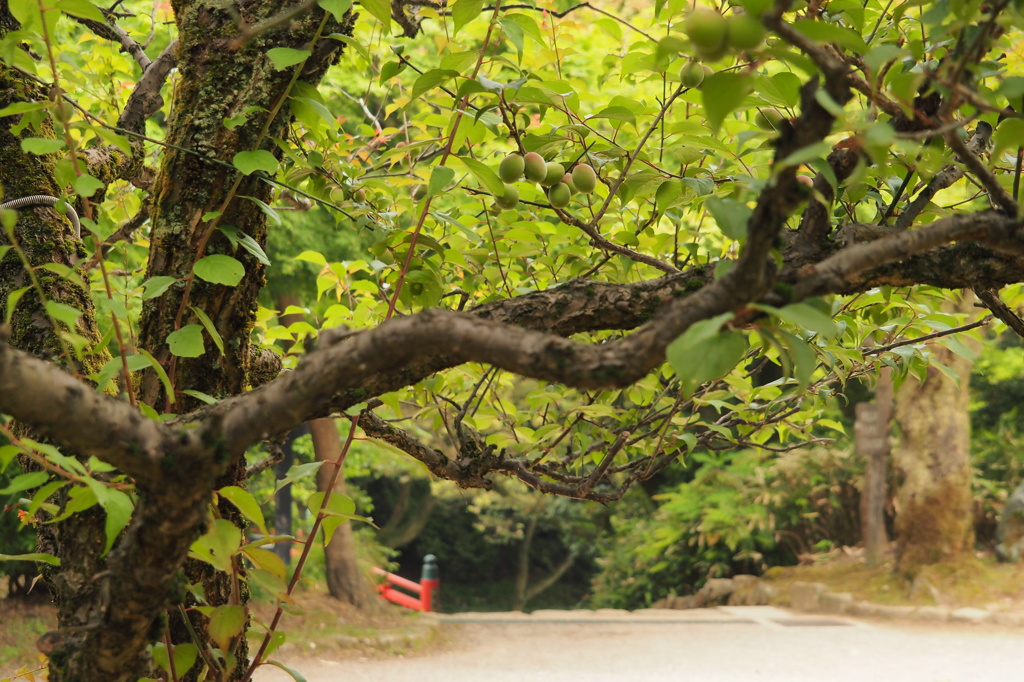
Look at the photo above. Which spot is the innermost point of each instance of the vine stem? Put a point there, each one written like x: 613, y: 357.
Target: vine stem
x: 444, y: 159
x: 306, y: 547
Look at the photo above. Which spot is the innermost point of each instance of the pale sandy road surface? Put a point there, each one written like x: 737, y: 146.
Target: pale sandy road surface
x: 727, y: 648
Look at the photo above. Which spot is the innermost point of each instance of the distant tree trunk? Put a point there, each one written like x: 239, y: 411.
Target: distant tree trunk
x: 524, y: 592
x: 283, y: 497
x: 873, y: 443
x: 344, y: 579
x: 933, y: 517
x: 402, y: 528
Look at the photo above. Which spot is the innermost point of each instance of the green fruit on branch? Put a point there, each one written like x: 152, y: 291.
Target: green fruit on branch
x: 706, y: 29
x: 509, y: 199
x: 745, y: 32
x: 768, y: 119
x: 553, y: 174
x: 693, y: 74
x: 534, y: 167
x: 419, y: 192
x: 511, y: 168
x: 559, y: 195
x: 584, y: 178
x: 568, y: 182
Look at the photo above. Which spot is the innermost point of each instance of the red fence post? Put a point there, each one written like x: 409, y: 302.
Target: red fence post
x: 427, y: 589
x: 430, y: 582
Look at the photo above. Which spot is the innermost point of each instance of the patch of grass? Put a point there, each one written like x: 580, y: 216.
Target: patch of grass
x: 24, y: 620
x: 320, y: 623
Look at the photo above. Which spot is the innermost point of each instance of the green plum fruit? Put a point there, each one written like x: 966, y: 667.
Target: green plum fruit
x: 553, y: 174
x: 511, y: 168
x: 584, y: 178
x: 559, y: 195
x: 509, y: 199
x: 534, y: 167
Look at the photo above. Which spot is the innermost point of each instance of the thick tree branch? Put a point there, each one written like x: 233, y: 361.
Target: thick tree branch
x: 839, y: 271
x: 74, y: 414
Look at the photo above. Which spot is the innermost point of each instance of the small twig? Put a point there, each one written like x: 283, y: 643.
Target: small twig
x: 929, y: 337
x: 970, y: 158
x: 950, y: 173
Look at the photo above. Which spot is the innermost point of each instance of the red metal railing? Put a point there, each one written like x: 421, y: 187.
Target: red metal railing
x: 425, y: 590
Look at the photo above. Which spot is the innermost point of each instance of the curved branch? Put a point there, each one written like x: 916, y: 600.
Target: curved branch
x: 57, y: 404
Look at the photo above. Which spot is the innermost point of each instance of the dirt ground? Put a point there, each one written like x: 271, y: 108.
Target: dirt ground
x: 689, y: 652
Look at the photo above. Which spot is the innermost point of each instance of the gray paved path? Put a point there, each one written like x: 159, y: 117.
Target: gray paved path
x: 757, y: 644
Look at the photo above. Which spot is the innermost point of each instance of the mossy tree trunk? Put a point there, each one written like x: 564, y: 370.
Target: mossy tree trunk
x: 933, y: 503
x: 110, y: 609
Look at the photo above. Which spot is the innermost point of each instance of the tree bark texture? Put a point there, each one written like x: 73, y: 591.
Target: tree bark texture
x: 933, y: 513
x: 872, y: 442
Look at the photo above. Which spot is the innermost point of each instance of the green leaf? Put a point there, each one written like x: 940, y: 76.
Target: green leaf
x: 339, y: 509
x: 156, y: 286
x: 314, y: 257
x: 12, y: 302
x: 62, y: 312
x: 239, y: 238
x: 805, y: 360
x: 22, y: 107
x: 220, y: 269
x: 832, y: 33
x: 34, y: 556
x: 298, y: 472
x: 86, y: 185
x: 217, y: 546
x: 484, y: 175
x: 338, y: 8
x: 431, y: 79
x: 27, y: 481
x: 225, y: 623
x: 259, y: 160
x: 291, y: 671
x: 283, y: 57
x: 246, y: 504
x: 1009, y: 135
x: 381, y: 10
x: 199, y: 395
x: 82, y: 8
x: 187, y: 342
x: 440, y: 178
x: 119, y: 508
x: 210, y: 329
x: 158, y: 368
x: 41, y: 145
x: 390, y: 70
x: 731, y: 216
x: 703, y: 353
x: 803, y: 315
x: 465, y: 11
x: 721, y: 94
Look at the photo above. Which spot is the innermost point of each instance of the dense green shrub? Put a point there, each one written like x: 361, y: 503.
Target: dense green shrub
x: 742, y: 512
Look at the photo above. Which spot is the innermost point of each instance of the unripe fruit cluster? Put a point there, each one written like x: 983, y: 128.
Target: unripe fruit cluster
x: 550, y: 174
x: 713, y: 35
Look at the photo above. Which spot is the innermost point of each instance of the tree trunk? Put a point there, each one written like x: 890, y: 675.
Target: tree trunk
x: 283, y: 524
x: 523, y: 566
x: 344, y: 579
x: 873, y: 443
x: 933, y: 516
